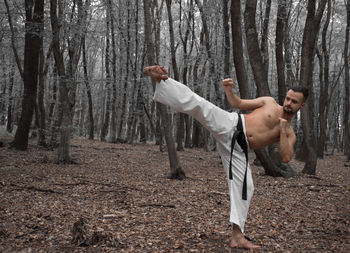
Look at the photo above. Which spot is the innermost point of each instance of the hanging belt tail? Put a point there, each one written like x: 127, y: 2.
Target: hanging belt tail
x: 239, y: 136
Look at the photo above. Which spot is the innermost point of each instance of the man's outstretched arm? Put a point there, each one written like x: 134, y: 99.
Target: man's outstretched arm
x: 242, y: 104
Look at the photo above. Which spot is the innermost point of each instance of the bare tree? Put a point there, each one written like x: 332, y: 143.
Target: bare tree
x: 13, y: 44
x: 279, y: 42
x: 88, y: 92
x: 106, y: 119
x: 113, y: 126
x: 185, y: 39
x: 346, y: 134
x: 176, y: 171
x: 67, y: 84
x: 209, y: 51
x: 9, y: 125
x: 268, y: 157
x: 34, y: 26
x: 237, y: 48
x: 324, y: 98
x: 43, y: 69
x: 180, y: 116
x: 311, y: 29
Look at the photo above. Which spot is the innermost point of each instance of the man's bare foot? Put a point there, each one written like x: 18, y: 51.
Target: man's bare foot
x: 156, y: 72
x: 241, y: 242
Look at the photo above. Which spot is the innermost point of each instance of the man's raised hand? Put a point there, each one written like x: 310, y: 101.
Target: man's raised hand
x: 156, y: 72
x: 283, y: 124
x: 228, y: 84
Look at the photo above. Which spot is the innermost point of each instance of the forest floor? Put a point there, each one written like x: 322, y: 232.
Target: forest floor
x: 127, y: 204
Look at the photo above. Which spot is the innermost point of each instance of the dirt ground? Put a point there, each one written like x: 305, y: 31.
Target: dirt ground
x: 125, y: 203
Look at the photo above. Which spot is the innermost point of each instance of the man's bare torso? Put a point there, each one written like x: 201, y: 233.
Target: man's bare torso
x: 263, y: 125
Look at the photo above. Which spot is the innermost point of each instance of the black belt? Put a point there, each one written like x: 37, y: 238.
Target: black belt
x: 241, y: 140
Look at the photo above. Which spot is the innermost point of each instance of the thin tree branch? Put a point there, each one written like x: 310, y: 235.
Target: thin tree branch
x: 13, y: 40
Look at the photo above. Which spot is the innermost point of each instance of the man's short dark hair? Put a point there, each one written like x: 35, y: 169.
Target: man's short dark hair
x: 301, y: 89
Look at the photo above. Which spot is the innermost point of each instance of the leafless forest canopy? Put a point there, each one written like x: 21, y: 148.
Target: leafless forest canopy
x: 73, y: 68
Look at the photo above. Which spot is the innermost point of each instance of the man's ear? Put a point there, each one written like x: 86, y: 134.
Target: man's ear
x: 302, y: 105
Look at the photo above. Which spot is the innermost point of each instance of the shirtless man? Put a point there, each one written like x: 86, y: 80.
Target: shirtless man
x: 267, y: 123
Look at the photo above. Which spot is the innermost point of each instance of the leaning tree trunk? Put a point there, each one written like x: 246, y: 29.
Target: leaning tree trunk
x: 311, y: 29
x: 268, y: 157
x: 34, y: 26
x: 176, y: 171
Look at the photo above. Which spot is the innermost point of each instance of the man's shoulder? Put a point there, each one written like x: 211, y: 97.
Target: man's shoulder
x: 269, y: 100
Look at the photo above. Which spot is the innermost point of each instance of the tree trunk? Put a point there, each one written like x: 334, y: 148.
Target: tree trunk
x: 279, y: 42
x: 133, y: 109
x: 64, y: 103
x: 14, y: 49
x: 269, y: 158
x: 157, y: 29
x: 54, y: 111
x: 291, y: 79
x: 237, y: 48
x: 34, y: 26
x: 9, y: 125
x: 186, y: 53
x: 3, y: 91
x: 346, y: 134
x: 41, y: 108
x: 324, y: 84
x: 88, y: 92
x: 180, y: 121
x: 212, y: 77
x: 124, y: 100
x: 311, y: 29
x: 105, y: 123
x: 196, y: 132
x: 256, y: 59
x: 113, y: 126
x: 226, y: 39
x: 175, y: 169
x: 264, y: 38
x: 227, y: 46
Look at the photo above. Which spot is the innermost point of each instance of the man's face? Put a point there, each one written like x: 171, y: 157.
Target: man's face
x: 293, y: 102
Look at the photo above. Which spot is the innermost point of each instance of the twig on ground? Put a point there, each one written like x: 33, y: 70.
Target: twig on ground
x: 20, y: 188
x: 158, y: 205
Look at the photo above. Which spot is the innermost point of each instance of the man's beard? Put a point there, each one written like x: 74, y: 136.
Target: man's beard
x: 288, y: 111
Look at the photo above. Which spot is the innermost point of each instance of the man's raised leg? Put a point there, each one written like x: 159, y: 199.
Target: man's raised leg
x: 219, y: 122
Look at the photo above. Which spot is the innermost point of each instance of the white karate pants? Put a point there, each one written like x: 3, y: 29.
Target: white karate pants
x: 222, y: 125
